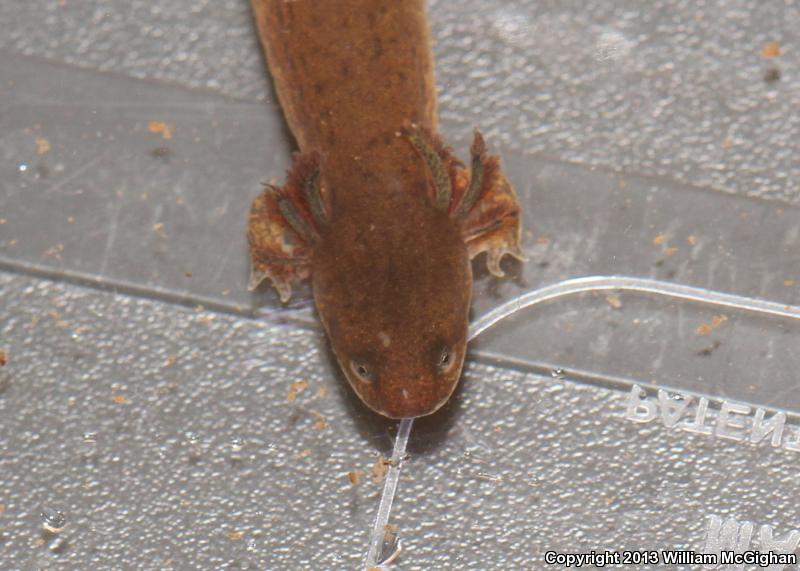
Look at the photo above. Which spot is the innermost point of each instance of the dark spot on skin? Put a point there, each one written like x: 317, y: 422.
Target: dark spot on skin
x: 162, y: 153
x: 387, y: 138
x: 377, y: 49
x: 318, y: 87
x: 372, y: 142
x: 330, y: 136
x: 344, y: 69
x: 772, y: 75
x: 280, y: 15
x: 708, y: 350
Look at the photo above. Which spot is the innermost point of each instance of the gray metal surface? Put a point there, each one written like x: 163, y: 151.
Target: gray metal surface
x: 166, y: 433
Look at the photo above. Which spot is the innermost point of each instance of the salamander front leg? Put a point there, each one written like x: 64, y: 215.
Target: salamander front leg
x: 488, y: 210
x: 284, y: 224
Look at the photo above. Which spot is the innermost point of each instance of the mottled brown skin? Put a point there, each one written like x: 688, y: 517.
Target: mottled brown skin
x: 389, y: 261
x: 393, y: 297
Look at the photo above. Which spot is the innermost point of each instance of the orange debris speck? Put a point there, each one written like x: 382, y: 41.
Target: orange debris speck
x: 120, y: 399
x: 789, y: 282
x: 771, y: 50
x: 355, y: 476
x: 55, y: 251
x: 295, y: 388
x: 660, y: 239
x: 42, y: 146
x: 379, y: 469
x: 320, y: 424
x: 692, y: 239
x: 160, y: 128
x: 235, y: 535
x: 706, y: 328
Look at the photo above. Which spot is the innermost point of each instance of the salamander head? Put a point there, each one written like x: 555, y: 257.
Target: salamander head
x: 392, y: 284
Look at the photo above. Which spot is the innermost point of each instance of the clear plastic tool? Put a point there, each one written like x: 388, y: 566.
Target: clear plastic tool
x: 541, y: 295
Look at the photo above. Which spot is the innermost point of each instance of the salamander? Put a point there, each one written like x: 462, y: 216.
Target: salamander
x: 376, y: 210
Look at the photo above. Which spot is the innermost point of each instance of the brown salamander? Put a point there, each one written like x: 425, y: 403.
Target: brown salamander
x: 380, y: 215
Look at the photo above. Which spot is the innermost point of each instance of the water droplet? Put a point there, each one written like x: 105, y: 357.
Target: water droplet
x: 53, y: 520
x: 195, y: 447
x: 557, y: 373
x: 88, y: 443
x: 22, y: 167
x: 237, y: 443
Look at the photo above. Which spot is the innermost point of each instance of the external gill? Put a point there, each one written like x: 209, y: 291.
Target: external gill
x: 300, y: 200
x: 484, y: 168
x: 441, y: 162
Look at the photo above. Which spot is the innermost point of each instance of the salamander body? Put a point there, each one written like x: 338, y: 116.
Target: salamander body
x: 376, y: 210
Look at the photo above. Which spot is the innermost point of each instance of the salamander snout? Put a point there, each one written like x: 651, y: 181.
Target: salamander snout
x: 415, y: 379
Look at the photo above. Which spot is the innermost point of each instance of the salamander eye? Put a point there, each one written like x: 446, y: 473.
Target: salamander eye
x: 362, y: 371
x: 445, y: 359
